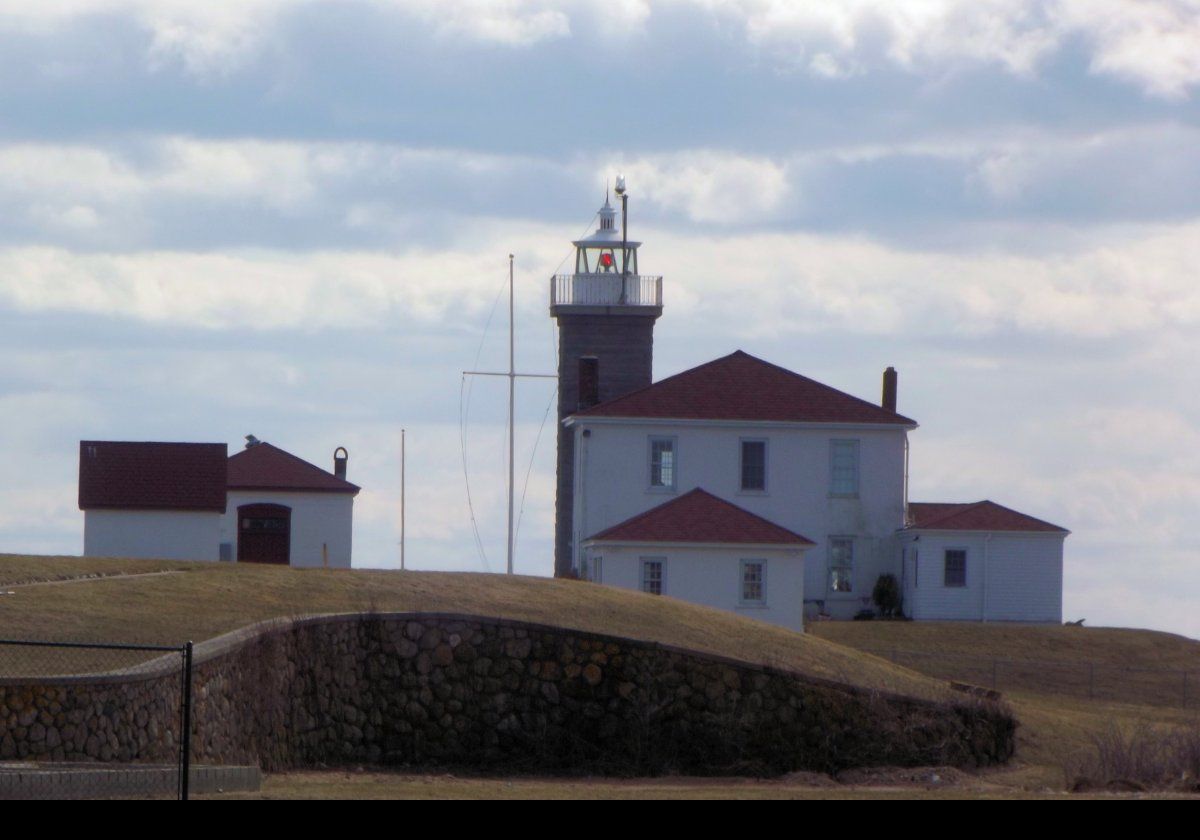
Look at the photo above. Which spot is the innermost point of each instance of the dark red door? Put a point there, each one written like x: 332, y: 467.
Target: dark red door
x: 264, y: 533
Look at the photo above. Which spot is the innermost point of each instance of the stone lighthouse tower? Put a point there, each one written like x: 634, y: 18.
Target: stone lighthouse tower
x: 606, y: 313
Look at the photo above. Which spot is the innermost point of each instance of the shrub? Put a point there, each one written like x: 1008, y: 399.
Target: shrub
x: 887, y: 595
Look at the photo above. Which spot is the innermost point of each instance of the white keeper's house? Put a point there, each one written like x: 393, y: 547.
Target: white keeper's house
x: 743, y: 485
x: 190, y: 501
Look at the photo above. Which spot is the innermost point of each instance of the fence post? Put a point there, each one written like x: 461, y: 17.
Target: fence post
x: 185, y: 736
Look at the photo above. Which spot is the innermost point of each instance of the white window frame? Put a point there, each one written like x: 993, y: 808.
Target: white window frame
x: 644, y: 564
x: 766, y: 450
x: 849, y: 567
x: 761, y: 601
x: 662, y: 488
x: 965, y: 567
x: 597, y: 569
x: 854, y: 446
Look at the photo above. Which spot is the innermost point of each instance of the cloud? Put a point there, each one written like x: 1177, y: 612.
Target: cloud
x: 710, y: 187
x: 1137, y: 284
x: 1155, y: 45
x: 806, y: 282
x: 1152, y: 44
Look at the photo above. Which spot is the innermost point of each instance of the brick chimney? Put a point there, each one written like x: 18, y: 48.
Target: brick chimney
x: 889, y: 389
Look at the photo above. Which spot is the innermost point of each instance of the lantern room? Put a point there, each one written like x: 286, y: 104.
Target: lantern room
x: 603, y: 252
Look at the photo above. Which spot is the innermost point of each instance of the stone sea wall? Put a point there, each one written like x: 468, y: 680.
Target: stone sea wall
x: 465, y: 691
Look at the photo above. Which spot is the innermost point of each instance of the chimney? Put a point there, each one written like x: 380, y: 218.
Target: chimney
x: 589, y: 381
x: 340, y: 457
x: 889, y: 389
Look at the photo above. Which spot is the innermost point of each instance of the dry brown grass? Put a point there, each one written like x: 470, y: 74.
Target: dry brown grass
x: 1110, y: 646
x: 202, y: 600
x: 1060, y: 725
x: 1107, y: 664
x: 20, y: 570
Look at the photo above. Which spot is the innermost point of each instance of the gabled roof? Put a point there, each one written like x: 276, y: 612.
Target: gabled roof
x: 742, y: 387
x: 973, y: 516
x: 267, y: 467
x: 700, y: 517
x: 152, y: 476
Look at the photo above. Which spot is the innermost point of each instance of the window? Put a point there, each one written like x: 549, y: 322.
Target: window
x: 754, y: 582
x: 956, y: 567
x: 662, y: 463
x: 841, y: 564
x: 843, y: 459
x: 754, y: 465
x: 596, y: 573
x: 652, y: 575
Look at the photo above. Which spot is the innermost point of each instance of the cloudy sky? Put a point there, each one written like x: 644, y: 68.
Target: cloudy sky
x: 291, y: 218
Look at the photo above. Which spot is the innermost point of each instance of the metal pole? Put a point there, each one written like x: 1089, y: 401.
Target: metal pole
x: 624, y: 247
x: 402, y: 500
x: 512, y: 396
x: 185, y: 736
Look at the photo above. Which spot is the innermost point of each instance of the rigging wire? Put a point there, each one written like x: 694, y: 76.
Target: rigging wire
x: 464, y: 411
x: 553, y: 394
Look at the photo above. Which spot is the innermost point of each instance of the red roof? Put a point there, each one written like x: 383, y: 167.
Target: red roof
x: 267, y: 467
x: 742, y: 387
x: 152, y: 476
x: 700, y: 517
x: 974, y: 516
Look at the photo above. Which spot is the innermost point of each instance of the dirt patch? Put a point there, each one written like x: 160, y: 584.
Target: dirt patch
x: 928, y: 777
x: 811, y: 780
x: 83, y: 578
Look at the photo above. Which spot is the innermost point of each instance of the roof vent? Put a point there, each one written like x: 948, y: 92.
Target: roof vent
x: 340, y: 457
x: 252, y: 441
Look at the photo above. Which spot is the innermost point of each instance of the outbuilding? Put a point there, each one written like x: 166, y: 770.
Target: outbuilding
x: 981, y: 561
x: 189, y: 501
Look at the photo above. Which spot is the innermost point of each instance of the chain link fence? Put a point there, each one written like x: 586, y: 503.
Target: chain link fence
x: 1145, y: 686
x: 84, y: 720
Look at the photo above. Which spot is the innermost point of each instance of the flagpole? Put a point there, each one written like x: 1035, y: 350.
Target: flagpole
x: 402, y: 499
x: 512, y: 398
x: 512, y: 375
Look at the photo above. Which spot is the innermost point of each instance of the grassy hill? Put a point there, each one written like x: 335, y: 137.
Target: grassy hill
x: 69, y: 598
x: 1109, y: 646
x: 1069, y: 686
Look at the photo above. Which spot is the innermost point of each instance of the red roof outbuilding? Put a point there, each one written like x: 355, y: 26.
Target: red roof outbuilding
x: 700, y: 517
x: 742, y: 387
x: 152, y: 476
x: 974, y: 516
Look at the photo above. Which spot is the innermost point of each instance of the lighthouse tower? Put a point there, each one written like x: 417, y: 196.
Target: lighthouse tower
x: 606, y: 313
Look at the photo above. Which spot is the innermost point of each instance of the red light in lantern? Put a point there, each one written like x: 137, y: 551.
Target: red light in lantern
x: 606, y: 260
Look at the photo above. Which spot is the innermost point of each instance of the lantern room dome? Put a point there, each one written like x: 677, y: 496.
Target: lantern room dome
x: 608, y: 233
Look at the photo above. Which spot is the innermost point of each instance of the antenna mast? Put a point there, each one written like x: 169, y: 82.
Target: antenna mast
x: 512, y: 399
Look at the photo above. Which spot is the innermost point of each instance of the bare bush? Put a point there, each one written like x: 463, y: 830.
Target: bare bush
x: 1142, y: 758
